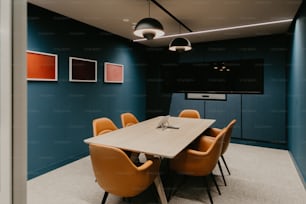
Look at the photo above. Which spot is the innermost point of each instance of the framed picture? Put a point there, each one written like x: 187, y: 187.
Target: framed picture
x: 113, y: 73
x: 41, y: 66
x: 82, y: 70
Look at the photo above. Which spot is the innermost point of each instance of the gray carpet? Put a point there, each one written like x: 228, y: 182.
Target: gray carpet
x: 258, y: 175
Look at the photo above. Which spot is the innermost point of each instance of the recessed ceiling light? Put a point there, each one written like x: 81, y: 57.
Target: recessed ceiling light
x: 125, y: 20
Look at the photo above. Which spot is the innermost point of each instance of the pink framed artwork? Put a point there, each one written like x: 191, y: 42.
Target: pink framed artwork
x: 41, y: 66
x: 113, y: 73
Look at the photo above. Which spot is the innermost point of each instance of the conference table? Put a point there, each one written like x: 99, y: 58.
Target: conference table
x: 150, y: 138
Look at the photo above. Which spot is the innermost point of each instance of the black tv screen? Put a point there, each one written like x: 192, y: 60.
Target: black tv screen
x: 240, y: 76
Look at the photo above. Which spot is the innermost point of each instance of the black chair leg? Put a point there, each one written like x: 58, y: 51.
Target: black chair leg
x: 170, y: 184
x: 208, y: 190
x: 225, y: 165
x: 173, y: 189
x: 220, y: 168
x: 215, y: 182
x: 104, y: 197
x: 128, y: 200
x: 168, y: 176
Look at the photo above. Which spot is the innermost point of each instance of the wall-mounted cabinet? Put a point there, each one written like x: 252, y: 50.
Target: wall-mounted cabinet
x: 260, y: 119
x: 225, y: 111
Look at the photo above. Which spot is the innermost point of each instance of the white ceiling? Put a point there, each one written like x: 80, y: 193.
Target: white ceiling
x: 198, y: 15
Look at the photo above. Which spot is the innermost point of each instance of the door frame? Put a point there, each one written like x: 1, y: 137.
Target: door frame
x: 13, y: 102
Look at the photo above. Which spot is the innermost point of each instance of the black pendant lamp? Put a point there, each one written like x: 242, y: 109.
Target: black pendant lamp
x: 180, y: 44
x: 149, y: 28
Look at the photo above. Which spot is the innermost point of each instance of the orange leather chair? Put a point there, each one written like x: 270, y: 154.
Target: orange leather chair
x: 200, y: 160
x: 128, y: 119
x: 118, y: 175
x: 213, y: 132
x: 189, y: 113
x: 103, y: 125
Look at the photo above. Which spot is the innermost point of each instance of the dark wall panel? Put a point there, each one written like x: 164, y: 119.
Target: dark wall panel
x: 261, y: 117
x: 264, y: 116
x: 225, y: 111
x: 179, y: 102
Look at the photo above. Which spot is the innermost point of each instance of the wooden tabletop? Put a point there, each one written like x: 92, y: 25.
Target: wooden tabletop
x: 145, y: 137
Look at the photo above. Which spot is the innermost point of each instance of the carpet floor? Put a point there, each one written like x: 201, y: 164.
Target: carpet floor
x: 258, y: 176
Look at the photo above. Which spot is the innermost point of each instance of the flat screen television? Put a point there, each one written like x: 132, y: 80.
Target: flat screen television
x: 237, y: 76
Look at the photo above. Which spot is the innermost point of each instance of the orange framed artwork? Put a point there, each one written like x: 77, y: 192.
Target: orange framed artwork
x: 113, y: 73
x: 41, y: 66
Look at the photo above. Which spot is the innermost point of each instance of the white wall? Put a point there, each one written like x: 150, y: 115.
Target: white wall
x: 13, y: 106
x: 5, y: 103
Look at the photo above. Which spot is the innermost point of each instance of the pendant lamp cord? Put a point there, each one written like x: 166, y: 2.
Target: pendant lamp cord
x: 149, y: 8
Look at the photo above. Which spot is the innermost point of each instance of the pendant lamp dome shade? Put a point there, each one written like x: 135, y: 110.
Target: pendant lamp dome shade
x: 180, y: 44
x: 149, y: 28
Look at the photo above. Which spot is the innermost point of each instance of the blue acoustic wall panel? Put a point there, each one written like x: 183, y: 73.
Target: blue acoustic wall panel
x: 179, y: 102
x: 60, y: 113
x: 225, y: 111
x: 297, y: 94
x: 264, y: 116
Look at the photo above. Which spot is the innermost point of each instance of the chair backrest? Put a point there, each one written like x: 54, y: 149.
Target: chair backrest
x: 128, y: 119
x: 103, y: 125
x: 228, y: 134
x: 189, y: 113
x: 198, y: 162
x: 117, y: 174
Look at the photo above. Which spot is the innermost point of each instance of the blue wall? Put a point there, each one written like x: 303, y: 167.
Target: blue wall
x: 261, y: 118
x: 60, y: 113
x: 297, y: 94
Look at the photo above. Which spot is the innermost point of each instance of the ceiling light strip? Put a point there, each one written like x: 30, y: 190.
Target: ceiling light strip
x: 220, y: 29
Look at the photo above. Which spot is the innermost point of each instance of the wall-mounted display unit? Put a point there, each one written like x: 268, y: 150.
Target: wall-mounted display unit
x: 82, y: 70
x: 41, y: 66
x: 113, y: 73
x: 205, y: 96
x: 232, y: 77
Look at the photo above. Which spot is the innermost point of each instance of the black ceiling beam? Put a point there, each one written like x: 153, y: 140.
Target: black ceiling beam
x: 170, y: 14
